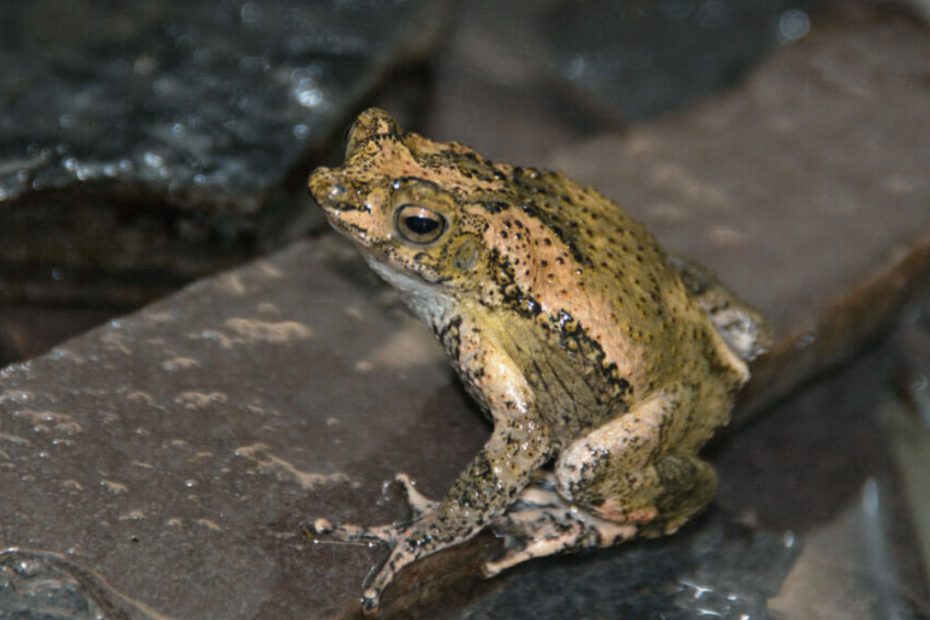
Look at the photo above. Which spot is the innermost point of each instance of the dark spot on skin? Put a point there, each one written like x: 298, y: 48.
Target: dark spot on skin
x: 495, y: 206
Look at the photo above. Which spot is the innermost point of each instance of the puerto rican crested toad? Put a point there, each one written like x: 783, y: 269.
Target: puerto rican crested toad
x: 603, y: 363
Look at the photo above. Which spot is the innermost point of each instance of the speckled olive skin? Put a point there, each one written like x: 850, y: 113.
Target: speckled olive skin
x: 604, y: 364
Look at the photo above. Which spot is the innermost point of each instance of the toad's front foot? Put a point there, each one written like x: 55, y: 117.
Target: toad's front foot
x: 408, y: 541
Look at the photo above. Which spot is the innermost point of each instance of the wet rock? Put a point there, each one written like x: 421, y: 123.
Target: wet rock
x: 614, y: 62
x: 822, y: 466
x: 720, y: 566
x: 44, y: 585
x: 629, y: 61
x: 143, y: 146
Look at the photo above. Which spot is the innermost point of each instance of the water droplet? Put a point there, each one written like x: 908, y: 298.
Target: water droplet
x: 251, y: 14
x: 576, y: 67
x: 153, y: 159
x: 793, y: 24
x: 301, y: 131
x: 310, y: 98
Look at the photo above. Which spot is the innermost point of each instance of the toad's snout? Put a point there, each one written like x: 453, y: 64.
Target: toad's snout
x: 327, y: 189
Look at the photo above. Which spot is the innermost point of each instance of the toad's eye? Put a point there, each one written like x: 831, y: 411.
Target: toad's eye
x: 418, y: 224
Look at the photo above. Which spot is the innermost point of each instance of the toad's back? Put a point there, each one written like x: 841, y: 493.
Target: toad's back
x: 600, y: 276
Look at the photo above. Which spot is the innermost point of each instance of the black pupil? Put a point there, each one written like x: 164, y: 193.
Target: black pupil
x: 421, y: 225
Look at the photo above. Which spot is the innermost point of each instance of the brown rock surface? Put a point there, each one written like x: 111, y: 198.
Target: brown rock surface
x: 177, y: 452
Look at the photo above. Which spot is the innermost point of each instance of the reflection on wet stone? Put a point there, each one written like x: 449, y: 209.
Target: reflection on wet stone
x: 48, y: 587
x: 715, y: 568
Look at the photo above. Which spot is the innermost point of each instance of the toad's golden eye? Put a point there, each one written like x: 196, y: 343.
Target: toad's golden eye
x: 418, y: 224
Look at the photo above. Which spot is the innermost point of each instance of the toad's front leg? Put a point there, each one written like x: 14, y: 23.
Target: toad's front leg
x: 519, y: 445
x: 480, y: 494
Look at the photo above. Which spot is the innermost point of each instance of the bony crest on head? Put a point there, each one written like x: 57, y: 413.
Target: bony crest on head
x: 370, y: 123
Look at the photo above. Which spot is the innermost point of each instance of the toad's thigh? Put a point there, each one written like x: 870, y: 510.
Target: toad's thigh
x: 625, y: 444
x: 612, y: 464
x: 629, y: 471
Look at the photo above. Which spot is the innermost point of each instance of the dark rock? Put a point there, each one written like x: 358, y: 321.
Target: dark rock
x: 141, y: 146
x: 629, y: 61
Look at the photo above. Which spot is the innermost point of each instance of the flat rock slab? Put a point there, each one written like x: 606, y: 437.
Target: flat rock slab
x: 182, y: 448
x: 170, y: 470
x: 156, y: 143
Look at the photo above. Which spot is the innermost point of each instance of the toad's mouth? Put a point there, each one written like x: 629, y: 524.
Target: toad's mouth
x: 347, y: 229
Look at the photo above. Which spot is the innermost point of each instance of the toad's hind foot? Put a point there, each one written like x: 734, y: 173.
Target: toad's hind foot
x: 542, y: 523
x: 324, y: 530
x: 743, y: 328
x: 418, y: 503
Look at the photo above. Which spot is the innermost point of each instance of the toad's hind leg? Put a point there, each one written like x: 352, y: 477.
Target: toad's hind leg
x: 641, y: 468
x: 743, y: 328
x: 612, y: 485
x: 542, y: 523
